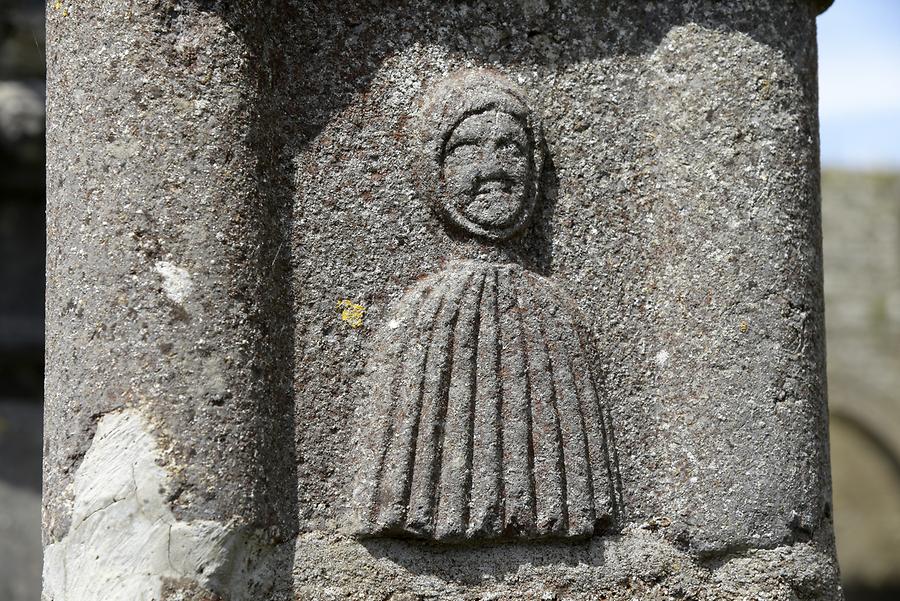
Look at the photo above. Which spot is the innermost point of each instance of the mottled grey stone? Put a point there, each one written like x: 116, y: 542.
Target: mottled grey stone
x: 166, y: 290
x: 229, y: 236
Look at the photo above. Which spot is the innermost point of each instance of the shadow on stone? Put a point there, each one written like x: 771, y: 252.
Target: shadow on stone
x: 471, y: 565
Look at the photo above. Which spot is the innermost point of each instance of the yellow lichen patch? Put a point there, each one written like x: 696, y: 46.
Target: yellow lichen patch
x: 744, y: 327
x: 351, y: 313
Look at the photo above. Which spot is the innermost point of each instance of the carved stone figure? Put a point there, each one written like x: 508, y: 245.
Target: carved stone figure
x: 485, y: 419
x: 219, y: 253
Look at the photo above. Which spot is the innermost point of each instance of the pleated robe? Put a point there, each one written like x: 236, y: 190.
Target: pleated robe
x: 484, y: 419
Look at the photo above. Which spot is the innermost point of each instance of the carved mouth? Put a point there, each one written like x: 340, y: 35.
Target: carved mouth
x: 493, y: 186
x: 493, y: 203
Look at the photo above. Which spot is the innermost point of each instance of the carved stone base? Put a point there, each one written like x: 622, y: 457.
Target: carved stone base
x: 639, y: 565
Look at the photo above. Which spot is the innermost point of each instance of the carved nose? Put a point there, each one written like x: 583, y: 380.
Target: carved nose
x: 489, y: 165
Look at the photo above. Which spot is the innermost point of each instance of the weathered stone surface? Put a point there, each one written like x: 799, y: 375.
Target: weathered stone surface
x: 124, y: 542
x: 267, y: 169
x: 166, y: 291
x: 636, y: 565
x: 681, y: 215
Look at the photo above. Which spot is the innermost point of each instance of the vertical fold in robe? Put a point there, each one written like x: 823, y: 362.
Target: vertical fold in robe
x: 486, y: 498
x: 486, y: 420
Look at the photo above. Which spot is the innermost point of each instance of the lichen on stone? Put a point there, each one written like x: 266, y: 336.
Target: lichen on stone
x: 351, y: 313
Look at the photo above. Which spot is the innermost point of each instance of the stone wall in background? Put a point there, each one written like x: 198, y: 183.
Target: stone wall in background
x: 861, y: 223
x: 21, y: 294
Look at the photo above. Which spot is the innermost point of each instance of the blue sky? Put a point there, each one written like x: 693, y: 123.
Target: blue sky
x: 859, y: 84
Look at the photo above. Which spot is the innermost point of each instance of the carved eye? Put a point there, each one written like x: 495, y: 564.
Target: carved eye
x: 462, y: 144
x: 509, y: 145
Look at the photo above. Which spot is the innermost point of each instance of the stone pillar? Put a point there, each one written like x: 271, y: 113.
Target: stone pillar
x: 169, y: 449
x: 513, y: 300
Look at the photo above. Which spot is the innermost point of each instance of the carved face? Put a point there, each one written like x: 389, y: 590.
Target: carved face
x: 488, y: 171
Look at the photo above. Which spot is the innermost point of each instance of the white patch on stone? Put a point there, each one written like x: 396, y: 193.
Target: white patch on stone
x: 177, y: 282
x: 124, y: 540
x: 662, y: 357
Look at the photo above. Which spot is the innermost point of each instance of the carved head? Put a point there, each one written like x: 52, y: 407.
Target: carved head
x: 484, y: 155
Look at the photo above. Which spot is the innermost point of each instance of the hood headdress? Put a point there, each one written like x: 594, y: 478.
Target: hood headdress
x: 460, y: 96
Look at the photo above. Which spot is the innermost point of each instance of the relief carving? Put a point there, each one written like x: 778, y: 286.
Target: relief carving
x: 484, y: 419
